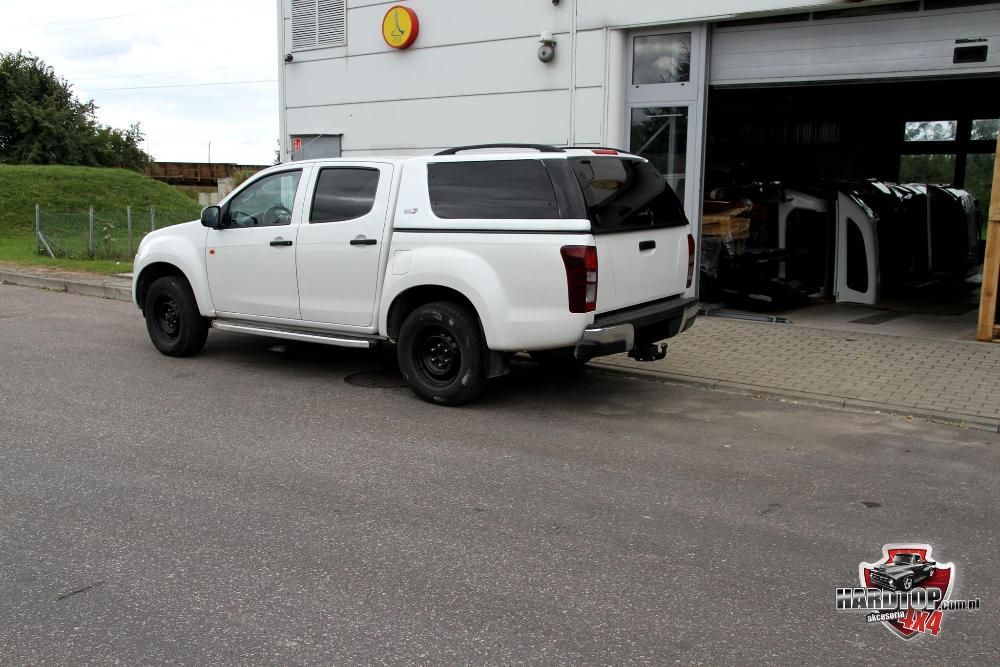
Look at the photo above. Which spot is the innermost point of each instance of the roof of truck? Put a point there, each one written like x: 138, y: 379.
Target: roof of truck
x: 478, y: 153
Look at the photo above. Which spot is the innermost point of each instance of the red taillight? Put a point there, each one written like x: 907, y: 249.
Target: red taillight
x: 581, y: 277
x: 690, y: 260
x: 604, y: 151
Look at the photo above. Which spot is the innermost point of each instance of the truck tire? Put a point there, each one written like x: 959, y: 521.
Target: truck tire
x: 175, y: 326
x: 441, y: 353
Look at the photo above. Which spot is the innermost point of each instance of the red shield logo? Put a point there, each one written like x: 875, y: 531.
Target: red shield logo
x: 903, y: 568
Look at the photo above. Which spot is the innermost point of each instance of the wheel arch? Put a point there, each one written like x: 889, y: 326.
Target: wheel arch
x: 412, y: 298
x: 153, y: 272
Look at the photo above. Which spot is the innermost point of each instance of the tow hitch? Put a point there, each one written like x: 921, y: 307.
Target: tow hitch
x: 649, y: 352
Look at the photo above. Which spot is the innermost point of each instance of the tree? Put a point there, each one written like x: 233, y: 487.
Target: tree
x: 43, y: 122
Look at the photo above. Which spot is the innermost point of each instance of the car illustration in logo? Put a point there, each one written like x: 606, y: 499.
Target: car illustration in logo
x: 903, y: 572
x: 909, y: 570
x: 906, y: 590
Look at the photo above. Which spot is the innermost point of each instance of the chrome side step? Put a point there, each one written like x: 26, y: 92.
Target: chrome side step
x: 290, y: 334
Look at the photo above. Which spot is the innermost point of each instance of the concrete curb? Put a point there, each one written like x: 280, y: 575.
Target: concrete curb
x: 802, y: 397
x: 99, y: 288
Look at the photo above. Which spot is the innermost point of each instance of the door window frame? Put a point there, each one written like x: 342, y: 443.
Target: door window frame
x: 296, y: 199
x: 692, y: 94
x: 315, y: 190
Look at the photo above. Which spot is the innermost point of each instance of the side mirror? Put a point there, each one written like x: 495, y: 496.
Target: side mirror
x: 211, y: 216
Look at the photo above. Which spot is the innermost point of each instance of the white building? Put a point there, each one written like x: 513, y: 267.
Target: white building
x: 712, y: 91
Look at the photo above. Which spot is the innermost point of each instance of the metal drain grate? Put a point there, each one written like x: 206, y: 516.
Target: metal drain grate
x: 377, y: 380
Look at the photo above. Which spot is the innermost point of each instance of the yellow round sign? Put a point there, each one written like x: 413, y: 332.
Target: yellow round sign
x: 400, y: 27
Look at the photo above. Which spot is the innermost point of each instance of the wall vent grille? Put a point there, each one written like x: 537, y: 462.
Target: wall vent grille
x: 318, y: 23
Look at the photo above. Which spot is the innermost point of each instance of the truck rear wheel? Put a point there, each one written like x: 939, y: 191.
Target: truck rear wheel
x: 175, y: 326
x: 441, y: 353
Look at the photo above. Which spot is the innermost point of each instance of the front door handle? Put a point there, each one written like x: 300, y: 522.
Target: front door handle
x: 363, y: 241
x: 646, y: 245
x: 280, y: 242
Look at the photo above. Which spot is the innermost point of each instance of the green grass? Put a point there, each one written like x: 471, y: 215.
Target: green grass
x: 21, y: 249
x: 61, y: 189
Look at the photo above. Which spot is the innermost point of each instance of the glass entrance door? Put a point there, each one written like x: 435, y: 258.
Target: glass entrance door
x: 660, y: 134
x: 665, y: 104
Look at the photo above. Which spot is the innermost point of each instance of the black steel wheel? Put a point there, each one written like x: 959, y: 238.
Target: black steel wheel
x: 174, y: 324
x: 441, y: 353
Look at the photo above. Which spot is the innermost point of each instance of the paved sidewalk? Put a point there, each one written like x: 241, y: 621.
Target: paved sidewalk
x: 947, y: 380
x: 75, y: 282
x: 956, y: 382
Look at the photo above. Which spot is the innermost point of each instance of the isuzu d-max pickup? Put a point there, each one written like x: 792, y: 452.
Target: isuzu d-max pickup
x: 460, y: 259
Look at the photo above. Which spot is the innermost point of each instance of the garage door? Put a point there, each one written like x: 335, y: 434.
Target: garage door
x: 905, y: 39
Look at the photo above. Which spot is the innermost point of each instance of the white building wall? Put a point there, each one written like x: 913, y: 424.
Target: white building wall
x: 473, y: 75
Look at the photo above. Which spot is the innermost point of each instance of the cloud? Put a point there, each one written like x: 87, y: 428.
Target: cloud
x: 138, y: 62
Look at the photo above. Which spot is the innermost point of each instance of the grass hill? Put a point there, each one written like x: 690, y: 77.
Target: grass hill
x: 76, y: 188
x: 60, y: 189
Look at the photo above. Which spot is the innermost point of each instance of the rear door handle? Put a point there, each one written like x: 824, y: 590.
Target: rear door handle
x: 280, y: 242
x: 647, y: 245
x: 363, y: 241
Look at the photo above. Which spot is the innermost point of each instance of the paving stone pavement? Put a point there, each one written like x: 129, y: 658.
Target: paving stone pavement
x: 952, y: 380
x: 949, y: 380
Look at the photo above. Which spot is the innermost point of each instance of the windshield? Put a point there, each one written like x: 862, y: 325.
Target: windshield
x: 624, y: 194
x: 904, y: 559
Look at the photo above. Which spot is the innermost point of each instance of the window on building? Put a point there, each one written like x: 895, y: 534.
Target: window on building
x: 318, y: 23
x: 938, y: 169
x: 662, y: 59
x: 492, y: 190
x: 344, y: 193
x: 979, y: 182
x: 934, y: 130
x: 952, y: 152
x: 985, y: 129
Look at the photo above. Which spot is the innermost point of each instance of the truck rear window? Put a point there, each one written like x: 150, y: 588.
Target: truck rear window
x: 624, y: 194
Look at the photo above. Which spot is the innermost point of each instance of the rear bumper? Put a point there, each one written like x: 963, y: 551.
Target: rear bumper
x: 625, y: 330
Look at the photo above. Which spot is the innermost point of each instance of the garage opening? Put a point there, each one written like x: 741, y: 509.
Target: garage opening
x: 851, y: 200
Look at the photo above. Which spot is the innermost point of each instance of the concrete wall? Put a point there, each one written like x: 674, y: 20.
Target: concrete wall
x: 473, y: 75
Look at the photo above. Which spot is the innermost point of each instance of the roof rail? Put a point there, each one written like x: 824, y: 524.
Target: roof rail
x: 600, y: 148
x: 541, y: 148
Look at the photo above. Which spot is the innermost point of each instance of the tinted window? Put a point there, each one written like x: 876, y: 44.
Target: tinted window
x: 265, y: 202
x: 626, y: 194
x: 343, y: 193
x: 499, y: 189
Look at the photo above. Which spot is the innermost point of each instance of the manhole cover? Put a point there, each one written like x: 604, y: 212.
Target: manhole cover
x: 377, y: 380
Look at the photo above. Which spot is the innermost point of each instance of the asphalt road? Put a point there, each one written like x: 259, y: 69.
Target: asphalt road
x: 248, y: 505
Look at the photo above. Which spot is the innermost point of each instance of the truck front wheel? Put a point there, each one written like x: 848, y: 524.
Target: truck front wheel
x: 441, y: 353
x: 175, y: 326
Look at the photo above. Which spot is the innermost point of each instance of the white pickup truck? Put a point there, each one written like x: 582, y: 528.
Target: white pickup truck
x: 461, y: 259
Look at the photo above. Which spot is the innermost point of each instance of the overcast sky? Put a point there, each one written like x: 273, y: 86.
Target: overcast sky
x: 178, y: 67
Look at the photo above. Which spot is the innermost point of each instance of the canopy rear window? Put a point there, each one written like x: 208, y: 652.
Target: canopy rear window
x: 625, y: 194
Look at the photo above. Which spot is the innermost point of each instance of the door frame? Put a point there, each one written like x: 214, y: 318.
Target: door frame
x: 693, y: 95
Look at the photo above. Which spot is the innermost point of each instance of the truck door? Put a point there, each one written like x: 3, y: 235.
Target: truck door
x: 340, y: 243
x: 251, y: 260
x: 857, y: 273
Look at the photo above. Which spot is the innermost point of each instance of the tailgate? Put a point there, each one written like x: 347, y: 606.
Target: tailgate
x: 640, y: 230
x: 640, y: 266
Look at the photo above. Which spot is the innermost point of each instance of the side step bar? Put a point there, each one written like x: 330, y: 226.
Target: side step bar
x: 288, y: 334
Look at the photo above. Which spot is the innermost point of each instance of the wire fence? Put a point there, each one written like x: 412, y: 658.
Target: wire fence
x: 99, y: 234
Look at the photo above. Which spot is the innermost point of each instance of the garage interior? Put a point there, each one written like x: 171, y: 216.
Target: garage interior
x: 834, y: 145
